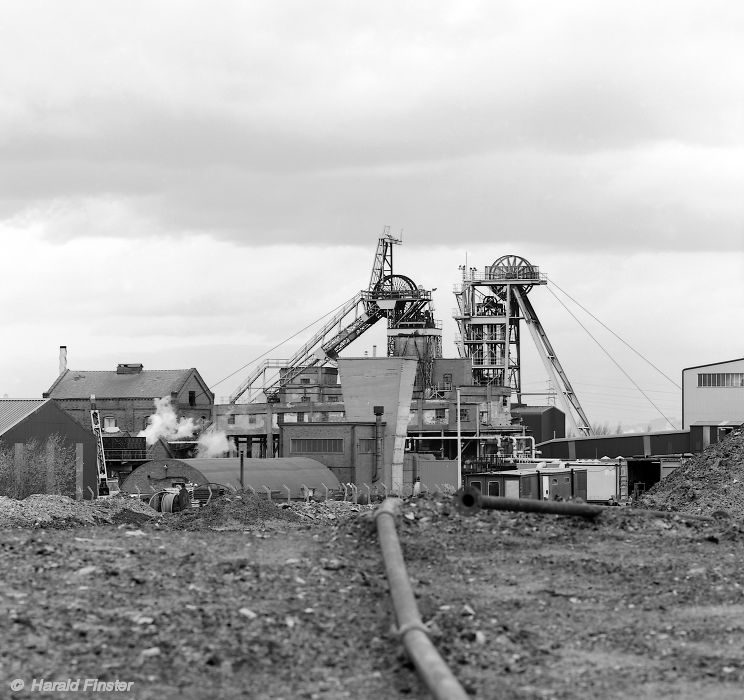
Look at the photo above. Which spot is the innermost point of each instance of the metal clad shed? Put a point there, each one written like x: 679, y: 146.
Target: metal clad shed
x: 294, y: 472
x: 23, y: 421
x: 271, y: 473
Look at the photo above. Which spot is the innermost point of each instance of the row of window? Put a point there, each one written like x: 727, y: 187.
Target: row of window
x: 721, y: 379
x: 231, y: 419
x: 316, y: 446
x: 329, y: 399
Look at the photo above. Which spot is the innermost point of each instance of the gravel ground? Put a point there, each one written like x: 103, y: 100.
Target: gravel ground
x: 258, y: 601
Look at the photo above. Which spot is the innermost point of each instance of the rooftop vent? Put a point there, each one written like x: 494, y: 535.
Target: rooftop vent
x: 128, y: 369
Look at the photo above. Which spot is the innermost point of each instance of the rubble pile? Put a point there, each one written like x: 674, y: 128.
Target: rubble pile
x: 51, y: 511
x: 326, y: 512
x: 231, y: 512
x: 709, y: 482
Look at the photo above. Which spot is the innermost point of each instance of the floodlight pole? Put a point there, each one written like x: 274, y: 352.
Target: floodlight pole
x: 459, y: 443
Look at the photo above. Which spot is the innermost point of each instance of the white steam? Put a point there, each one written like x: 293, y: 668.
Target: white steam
x: 164, y: 423
x: 212, y: 444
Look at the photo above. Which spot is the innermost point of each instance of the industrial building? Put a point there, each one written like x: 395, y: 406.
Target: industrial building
x: 385, y: 420
x: 713, y: 393
x: 125, y: 400
x: 409, y: 413
x: 466, y: 411
x: 43, y: 450
x: 125, y: 396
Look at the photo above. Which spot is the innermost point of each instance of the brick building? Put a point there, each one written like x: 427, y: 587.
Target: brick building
x: 125, y: 396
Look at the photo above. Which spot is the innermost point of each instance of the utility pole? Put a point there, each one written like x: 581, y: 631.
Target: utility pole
x: 459, y: 443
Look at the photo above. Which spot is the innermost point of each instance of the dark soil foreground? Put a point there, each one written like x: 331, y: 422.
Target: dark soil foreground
x: 520, y: 606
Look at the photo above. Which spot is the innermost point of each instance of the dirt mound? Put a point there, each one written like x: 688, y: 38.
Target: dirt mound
x: 50, y: 511
x: 709, y: 482
x: 234, y: 512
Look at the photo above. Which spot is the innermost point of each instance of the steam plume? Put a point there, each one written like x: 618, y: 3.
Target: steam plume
x: 164, y: 423
x: 212, y: 444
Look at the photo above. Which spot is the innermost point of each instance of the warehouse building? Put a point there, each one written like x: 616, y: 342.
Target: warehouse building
x: 713, y: 394
x: 43, y: 450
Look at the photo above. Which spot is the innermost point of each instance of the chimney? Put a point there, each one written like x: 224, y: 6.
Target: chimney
x: 128, y: 369
x: 62, y: 359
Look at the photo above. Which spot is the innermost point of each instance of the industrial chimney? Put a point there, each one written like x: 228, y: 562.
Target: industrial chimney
x: 62, y: 359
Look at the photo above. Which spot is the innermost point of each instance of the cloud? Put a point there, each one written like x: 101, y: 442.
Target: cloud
x: 308, y: 124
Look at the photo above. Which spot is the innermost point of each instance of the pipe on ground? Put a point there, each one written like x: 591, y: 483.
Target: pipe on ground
x: 470, y: 500
x: 432, y: 669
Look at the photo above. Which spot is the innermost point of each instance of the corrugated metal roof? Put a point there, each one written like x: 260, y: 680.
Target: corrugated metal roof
x: 153, y: 383
x: 13, y: 411
x: 273, y: 472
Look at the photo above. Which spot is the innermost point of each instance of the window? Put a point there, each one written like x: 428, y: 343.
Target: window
x: 192, y: 398
x: 366, y: 445
x: 231, y: 419
x: 304, y: 399
x: 447, y: 379
x: 721, y: 379
x: 316, y: 445
x: 109, y: 422
x: 493, y: 488
x: 251, y: 420
x: 477, y: 485
x: 332, y: 399
x: 464, y: 414
x: 304, y: 380
x: 300, y: 417
x: 440, y: 413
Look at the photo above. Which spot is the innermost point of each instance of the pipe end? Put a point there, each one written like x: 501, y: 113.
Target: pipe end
x: 468, y: 500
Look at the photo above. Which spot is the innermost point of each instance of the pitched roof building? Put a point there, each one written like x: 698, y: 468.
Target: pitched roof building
x: 125, y: 396
x: 44, y: 450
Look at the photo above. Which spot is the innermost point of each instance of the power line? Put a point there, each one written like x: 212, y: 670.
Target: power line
x: 612, y: 359
x: 628, y: 345
x: 608, y: 386
x: 278, y: 345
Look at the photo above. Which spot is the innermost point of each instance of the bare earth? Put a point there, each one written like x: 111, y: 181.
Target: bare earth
x: 249, y: 600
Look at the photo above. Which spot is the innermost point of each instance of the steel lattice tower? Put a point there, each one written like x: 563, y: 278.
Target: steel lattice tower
x: 491, y: 304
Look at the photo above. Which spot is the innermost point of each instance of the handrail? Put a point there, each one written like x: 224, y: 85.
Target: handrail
x: 433, y: 671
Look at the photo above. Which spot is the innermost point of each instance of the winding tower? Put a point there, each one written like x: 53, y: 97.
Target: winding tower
x: 412, y: 330
x: 491, y: 304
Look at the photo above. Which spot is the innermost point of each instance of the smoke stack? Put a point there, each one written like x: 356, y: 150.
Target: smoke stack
x: 62, y: 359
x: 374, y: 351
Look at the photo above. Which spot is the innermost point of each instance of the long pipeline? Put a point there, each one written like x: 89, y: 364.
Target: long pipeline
x: 432, y: 669
x: 470, y: 500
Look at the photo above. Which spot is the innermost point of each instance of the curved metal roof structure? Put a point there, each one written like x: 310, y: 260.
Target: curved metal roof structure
x: 275, y: 474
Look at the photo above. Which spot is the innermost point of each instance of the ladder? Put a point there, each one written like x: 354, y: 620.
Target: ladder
x: 105, y: 485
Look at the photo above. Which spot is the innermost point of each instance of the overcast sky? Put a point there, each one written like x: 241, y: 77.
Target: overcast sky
x: 188, y: 183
